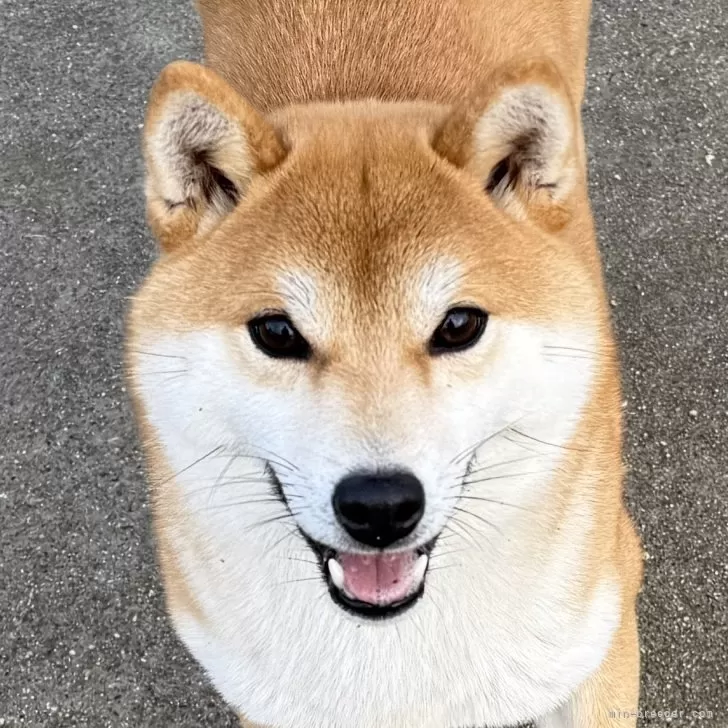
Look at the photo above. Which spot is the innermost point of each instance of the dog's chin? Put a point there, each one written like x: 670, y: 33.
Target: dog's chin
x: 377, y: 584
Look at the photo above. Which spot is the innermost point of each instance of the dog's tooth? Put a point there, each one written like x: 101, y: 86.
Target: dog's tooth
x: 336, y: 572
x: 418, y: 573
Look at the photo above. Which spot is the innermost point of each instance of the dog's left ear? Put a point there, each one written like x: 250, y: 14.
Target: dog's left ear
x: 518, y: 137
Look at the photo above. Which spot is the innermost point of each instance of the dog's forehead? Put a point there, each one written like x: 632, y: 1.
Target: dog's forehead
x: 360, y: 175
x: 365, y: 230
x: 414, y: 295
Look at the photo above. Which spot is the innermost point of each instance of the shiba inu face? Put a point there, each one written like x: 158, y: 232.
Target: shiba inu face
x: 368, y: 334
x: 374, y: 373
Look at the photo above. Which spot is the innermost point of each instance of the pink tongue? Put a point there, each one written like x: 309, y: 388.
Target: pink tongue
x: 380, y: 578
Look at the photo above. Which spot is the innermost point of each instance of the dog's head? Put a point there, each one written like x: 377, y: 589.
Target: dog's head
x: 380, y: 322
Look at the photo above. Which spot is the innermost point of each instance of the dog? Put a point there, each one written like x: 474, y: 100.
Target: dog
x: 374, y: 372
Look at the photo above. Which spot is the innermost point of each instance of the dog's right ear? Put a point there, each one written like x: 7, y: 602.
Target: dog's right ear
x: 203, y: 147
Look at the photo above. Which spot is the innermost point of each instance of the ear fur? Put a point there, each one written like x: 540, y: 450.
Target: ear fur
x: 518, y: 137
x: 203, y: 146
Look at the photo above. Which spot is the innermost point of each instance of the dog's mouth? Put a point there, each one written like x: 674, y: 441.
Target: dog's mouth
x: 377, y: 584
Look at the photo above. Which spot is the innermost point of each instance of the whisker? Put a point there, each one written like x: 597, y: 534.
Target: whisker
x: 244, y: 481
x: 445, y: 536
x: 225, y: 483
x: 513, y: 461
x: 292, y: 495
x: 287, y: 464
x: 544, y: 442
x: 229, y: 481
x: 570, y: 348
x: 267, y: 460
x: 490, y: 500
x: 255, y: 494
x: 480, y: 518
x: 169, y: 371
x: 226, y: 467
x: 468, y: 530
x: 173, y: 377
x: 446, y: 553
x: 295, y: 581
x: 467, y: 481
x: 303, y: 561
x: 524, y: 446
x: 152, y: 353
x: 272, y: 519
x: 293, y: 531
x: 248, y: 478
x: 444, y: 566
x: 505, y: 476
x: 453, y: 533
x: 458, y: 458
x: 192, y: 465
x: 246, y: 502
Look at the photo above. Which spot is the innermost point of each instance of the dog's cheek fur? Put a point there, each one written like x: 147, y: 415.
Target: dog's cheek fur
x: 257, y: 576
x: 259, y: 579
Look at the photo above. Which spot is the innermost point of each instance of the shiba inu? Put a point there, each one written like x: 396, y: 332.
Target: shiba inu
x: 374, y: 371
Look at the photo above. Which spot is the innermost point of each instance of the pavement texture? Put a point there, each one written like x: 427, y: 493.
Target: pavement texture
x: 84, y: 640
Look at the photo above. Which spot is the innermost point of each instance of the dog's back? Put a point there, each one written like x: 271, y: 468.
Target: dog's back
x: 296, y: 51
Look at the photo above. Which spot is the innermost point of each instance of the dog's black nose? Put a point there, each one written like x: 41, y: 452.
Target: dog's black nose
x: 379, y: 508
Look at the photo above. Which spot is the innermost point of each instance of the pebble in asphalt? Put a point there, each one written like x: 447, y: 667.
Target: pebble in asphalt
x: 84, y: 638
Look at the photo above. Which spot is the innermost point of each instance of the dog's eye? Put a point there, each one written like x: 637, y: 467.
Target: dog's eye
x: 460, y: 329
x: 276, y: 336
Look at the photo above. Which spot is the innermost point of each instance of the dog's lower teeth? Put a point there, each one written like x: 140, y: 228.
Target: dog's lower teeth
x: 336, y: 573
x: 418, y: 572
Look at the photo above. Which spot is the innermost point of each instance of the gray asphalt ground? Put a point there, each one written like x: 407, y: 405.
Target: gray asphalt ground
x: 84, y: 640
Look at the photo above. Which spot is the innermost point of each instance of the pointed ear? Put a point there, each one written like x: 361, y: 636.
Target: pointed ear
x: 203, y: 147
x: 518, y: 137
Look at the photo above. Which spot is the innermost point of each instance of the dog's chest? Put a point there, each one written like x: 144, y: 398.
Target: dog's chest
x: 468, y: 654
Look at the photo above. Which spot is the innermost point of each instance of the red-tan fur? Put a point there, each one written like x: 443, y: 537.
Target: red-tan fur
x: 433, y: 67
